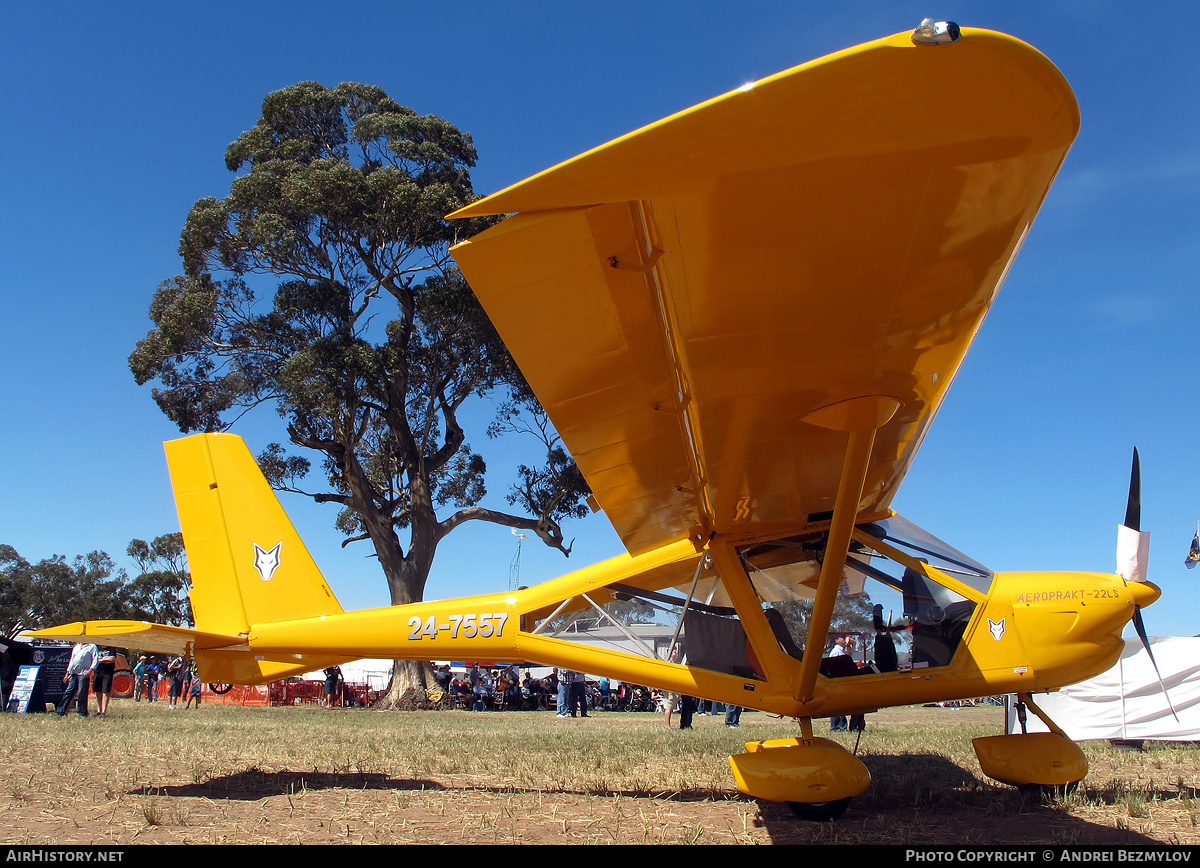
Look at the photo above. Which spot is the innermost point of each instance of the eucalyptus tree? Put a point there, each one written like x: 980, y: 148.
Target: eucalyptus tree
x: 371, y: 344
x: 54, y: 591
x: 159, y: 591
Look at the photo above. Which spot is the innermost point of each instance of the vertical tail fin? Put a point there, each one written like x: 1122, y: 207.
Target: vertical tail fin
x: 247, y: 562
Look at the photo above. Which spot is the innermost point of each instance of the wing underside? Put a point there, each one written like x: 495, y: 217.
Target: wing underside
x: 680, y: 298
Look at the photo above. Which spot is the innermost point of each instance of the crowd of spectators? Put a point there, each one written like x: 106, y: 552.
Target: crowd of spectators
x: 566, y: 692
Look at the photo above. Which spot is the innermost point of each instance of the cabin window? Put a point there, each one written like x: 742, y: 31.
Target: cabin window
x: 682, y: 607
x: 888, y: 615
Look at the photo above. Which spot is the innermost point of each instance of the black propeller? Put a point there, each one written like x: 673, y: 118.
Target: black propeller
x: 1133, y: 521
x: 885, y: 646
x: 880, y: 627
x: 1133, y: 506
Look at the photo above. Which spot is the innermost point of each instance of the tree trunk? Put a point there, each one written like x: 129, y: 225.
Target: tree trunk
x: 407, y: 691
x: 411, y: 679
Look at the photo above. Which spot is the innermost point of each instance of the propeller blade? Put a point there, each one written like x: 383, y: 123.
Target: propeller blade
x: 1133, y: 507
x: 1140, y: 626
x: 1133, y: 546
x: 1133, y: 552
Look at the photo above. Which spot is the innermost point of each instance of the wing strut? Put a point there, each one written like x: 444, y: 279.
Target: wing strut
x: 860, y: 418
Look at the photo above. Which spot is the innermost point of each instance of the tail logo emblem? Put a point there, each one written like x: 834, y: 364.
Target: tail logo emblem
x: 996, y: 628
x: 266, y: 561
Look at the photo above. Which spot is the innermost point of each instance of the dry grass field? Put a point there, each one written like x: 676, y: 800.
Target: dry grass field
x: 145, y: 774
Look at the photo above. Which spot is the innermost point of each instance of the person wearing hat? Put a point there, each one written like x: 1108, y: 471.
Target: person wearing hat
x: 139, y: 678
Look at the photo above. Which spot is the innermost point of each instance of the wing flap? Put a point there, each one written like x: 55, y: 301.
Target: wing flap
x: 595, y: 350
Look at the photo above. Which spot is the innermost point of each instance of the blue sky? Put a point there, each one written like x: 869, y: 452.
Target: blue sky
x: 116, y: 117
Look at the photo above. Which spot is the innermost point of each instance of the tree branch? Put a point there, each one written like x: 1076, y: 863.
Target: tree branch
x: 546, y: 528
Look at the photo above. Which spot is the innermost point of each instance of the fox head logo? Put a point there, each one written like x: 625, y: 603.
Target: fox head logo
x: 266, y: 562
x: 996, y: 628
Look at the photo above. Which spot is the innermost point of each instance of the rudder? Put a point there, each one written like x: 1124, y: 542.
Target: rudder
x: 248, y: 564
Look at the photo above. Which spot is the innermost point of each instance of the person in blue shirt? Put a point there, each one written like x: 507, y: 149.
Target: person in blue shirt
x: 139, y: 678
x: 152, y: 672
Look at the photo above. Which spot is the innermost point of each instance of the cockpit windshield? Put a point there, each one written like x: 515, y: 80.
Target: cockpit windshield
x: 924, y: 546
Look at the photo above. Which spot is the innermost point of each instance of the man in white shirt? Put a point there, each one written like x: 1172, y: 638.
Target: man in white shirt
x: 79, y: 670
x: 838, y: 723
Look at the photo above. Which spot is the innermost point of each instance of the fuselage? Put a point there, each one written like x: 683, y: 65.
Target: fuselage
x: 1027, y: 632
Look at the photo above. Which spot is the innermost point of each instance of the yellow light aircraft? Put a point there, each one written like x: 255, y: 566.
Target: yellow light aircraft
x: 741, y: 319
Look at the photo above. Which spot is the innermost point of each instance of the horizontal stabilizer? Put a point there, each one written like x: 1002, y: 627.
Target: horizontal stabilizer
x: 142, y: 636
x: 219, y: 657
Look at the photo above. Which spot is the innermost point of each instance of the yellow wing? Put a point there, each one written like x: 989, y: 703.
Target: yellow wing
x: 681, y: 297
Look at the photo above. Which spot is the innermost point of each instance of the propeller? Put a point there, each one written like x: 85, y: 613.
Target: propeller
x: 880, y: 627
x: 1133, y: 554
x: 885, y: 645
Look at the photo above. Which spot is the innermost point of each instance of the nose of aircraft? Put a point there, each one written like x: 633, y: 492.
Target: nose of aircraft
x: 1144, y: 593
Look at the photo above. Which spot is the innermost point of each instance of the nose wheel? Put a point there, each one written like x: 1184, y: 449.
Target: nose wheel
x: 1037, y: 763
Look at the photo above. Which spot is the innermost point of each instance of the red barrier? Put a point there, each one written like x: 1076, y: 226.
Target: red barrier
x: 281, y: 693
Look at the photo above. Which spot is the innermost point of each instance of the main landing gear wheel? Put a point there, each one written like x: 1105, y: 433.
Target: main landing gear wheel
x: 819, y: 812
x: 1047, y: 792
x: 220, y: 689
x: 815, y: 777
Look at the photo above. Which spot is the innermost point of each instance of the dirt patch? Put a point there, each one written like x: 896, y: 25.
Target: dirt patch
x: 174, y: 778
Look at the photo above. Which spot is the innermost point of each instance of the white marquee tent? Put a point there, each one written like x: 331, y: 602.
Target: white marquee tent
x: 1127, y: 702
